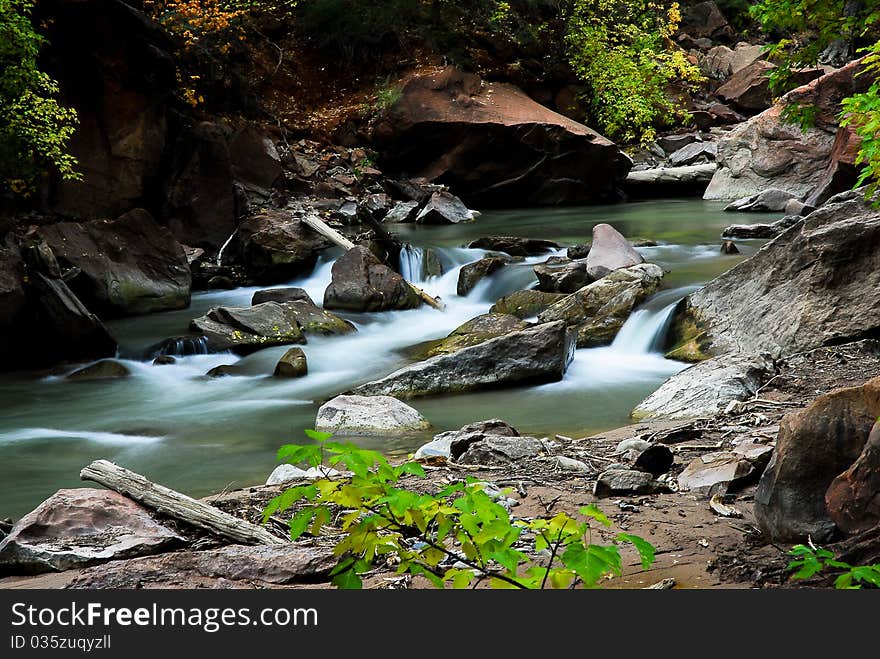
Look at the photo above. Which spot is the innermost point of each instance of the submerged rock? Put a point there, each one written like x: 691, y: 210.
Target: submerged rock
x: 369, y: 415
x: 530, y: 356
x: 363, y: 283
x: 292, y: 364
x: 80, y: 527
x: 600, y: 309
x: 610, y: 251
x: 707, y: 388
x: 224, y: 370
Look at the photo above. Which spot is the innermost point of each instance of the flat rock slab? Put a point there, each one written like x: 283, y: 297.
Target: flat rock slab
x: 494, y: 449
x: 369, y: 415
x: 713, y: 469
x: 81, y: 527
x: 235, y: 566
x: 624, y: 481
x: 247, y: 329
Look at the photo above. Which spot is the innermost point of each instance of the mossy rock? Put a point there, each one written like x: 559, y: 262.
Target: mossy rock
x: 473, y: 332
x: 688, y: 340
x: 292, y: 364
x: 102, y: 370
x: 525, y: 304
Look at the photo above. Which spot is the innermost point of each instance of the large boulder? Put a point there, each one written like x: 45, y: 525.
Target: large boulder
x: 748, y: 90
x: 705, y: 20
x: 477, y: 330
x: 530, y: 356
x: 274, y: 246
x: 361, y: 282
x: 444, y: 208
x: 559, y: 275
x: 610, y: 251
x: 600, y: 309
x: 126, y: 266
x: 526, y: 303
x: 811, y: 286
x: 76, y: 528
x: 248, y: 329
x: 293, y: 364
x: 114, y: 68
x: 527, y: 154
x: 369, y: 415
x: 768, y: 152
x: 255, y: 160
x: 721, y: 62
x: 707, y: 388
x: 441, y: 446
x: 473, y: 273
x: 313, y: 320
x: 814, y: 448
x: 852, y: 498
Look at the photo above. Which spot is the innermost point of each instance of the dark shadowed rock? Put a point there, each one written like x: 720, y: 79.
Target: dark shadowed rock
x: 558, y: 275
x: 599, y: 310
x: 360, y: 282
x: 290, y: 294
x: 853, y: 498
x: 527, y: 154
x: 707, y: 388
x: 672, y: 143
x: 811, y: 286
x: 235, y: 566
x: 444, y: 208
x: 576, y: 252
x: 80, y: 527
x: 816, y: 446
x: 514, y: 245
x: 403, y: 211
x: 292, y: 364
x: 615, y: 482
x: 369, y: 415
x: 473, y: 273
x: 223, y: 371
x: 705, y: 20
x: 729, y: 247
x: 610, y: 251
x: 255, y: 161
x: 247, y: 329
x: 274, y: 246
x: 656, y: 460
x: 533, y: 355
x: 126, y: 266
x: 101, y: 370
x: 525, y: 304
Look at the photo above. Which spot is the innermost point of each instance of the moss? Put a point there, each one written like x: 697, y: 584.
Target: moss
x: 688, y: 339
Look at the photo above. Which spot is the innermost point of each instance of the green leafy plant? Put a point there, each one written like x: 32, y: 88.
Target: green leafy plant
x: 461, y: 535
x: 34, y: 127
x: 809, y: 561
x: 862, y: 113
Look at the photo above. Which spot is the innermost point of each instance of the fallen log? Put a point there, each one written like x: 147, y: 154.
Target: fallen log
x: 176, y: 505
x: 331, y: 234
x: 685, y: 175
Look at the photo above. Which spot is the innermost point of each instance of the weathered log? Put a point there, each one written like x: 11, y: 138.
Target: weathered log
x: 688, y: 174
x: 176, y: 505
x: 331, y: 234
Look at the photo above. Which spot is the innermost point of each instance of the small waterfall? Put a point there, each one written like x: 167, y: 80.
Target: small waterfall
x: 179, y: 346
x: 645, y: 330
x: 219, y: 260
x: 412, y: 263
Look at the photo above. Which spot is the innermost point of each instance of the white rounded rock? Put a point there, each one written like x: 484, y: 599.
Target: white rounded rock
x: 369, y: 415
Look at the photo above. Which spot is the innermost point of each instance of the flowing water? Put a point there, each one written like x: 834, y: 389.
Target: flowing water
x: 202, y: 435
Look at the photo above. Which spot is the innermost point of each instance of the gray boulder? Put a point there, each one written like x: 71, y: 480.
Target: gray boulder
x: 610, y: 251
x: 707, y: 388
x: 292, y: 364
x: 369, y: 415
x: 473, y: 273
x: 615, y: 482
x: 360, y: 282
x: 525, y: 304
x: 534, y: 355
x: 102, y: 370
x: 247, y: 329
x: 80, y: 527
x: 494, y: 449
x: 288, y: 294
x: 558, y: 275
x: 444, y: 208
x: 772, y: 200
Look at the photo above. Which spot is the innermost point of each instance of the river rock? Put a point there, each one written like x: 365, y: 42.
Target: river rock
x: 316, y: 321
x: 811, y: 286
x: 707, y: 388
x: 852, y: 498
x: 223, y: 371
x: 772, y: 200
x: 525, y: 304
x: 369, y: 415
x: 102, y: 370
x: 289, y: 294
x: 403, y: 211
x: 445, y: 122
x: 557, y: 275
x: 274, y: 246
x: 247, y: 329
x: 360, y: 282
x: 80, y: 527
x: 533, y: 355
x: 656, y: 459
x: 749, y: 88
x: 164, y: 360
x: 514, y: 245
x: 441, y: 445
x: 475, y: 331
x: 574, y: 466
x: 255, y: 160
x: 711, y: 469
x: 672, y: 143
x: 610, y: 251
x: 760, y: 230
x: 286, y: 473
x: 292, y: 364
x: 473, y: 273
x: 616, y: 482
x: 722, y: 62
x: 576, y: 252
x: 600, y: 309
x: 126, y: 266
x: 816, y: 447
x: 692, y: 153
x: 235, y: 566
x: 705, y: 20
x: 444, y: 208
x: 494, y: 449
x: 729, y: 247
x: 767, y: 152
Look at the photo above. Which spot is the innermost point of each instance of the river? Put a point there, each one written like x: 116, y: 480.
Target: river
x: 202, y: 435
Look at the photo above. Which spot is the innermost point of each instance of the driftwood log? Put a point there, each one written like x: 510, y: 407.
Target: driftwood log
x: 686, y: 175
x: 176, y: 505
x: 331, y: 234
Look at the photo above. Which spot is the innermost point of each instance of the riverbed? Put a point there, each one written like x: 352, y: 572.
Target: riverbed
x: 203, y: 435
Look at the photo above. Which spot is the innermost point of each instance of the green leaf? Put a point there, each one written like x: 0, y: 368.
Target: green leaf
x: 300, y: 521
x: 317, y: 435
x: 413, y: 468
x: 347, y: 580
x: 646, y: 549
x: 593, y: 512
